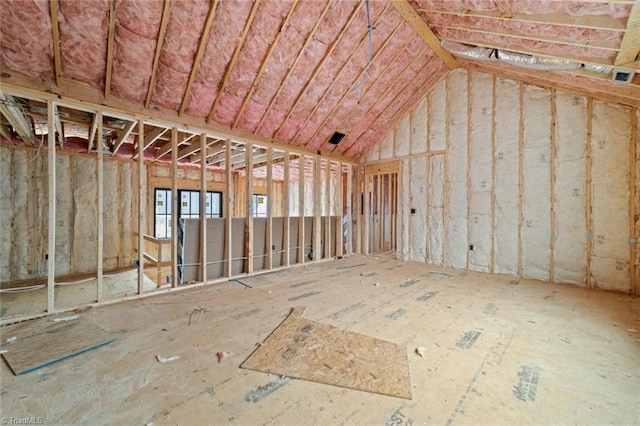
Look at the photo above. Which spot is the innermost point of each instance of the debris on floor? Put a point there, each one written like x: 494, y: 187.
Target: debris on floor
x: 198, y: 309
x: 222, y: 356
x: 162, y: 359
x: 67, y: 318
x: 421, y: 350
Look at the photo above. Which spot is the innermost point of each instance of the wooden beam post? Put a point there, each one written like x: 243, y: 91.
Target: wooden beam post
x: 589, y: 191
x: 100, y: 206
x: 633, y: 199
x: 286, y: 260
x: 142, y: 197
x: 270, y: 202
x: 301, y: 183
x: 228, y: 213
x: 349, y: 210
x: 51, y: 170
x: 174, y: 207
x: 203, y: 208
x: 248, y: 230
x: 317, y: 207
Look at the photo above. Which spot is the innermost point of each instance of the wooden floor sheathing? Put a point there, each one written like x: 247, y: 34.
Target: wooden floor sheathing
x: 497, y: 350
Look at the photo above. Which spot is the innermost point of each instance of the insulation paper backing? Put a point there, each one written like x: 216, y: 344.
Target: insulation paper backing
x: 419, y: 128
x: 536, y: 174
x: 570, y: 246
x: 85, y: 197
x: 507, y: 174
x: 374, y: 154
x: 402, y: 136
x: 64, y: 209
x: 456, y: 232
x: 480, y: 233
x: 386, y: 147
x: 418, y: 201
x: 610, y: 196
x: 437, y: 117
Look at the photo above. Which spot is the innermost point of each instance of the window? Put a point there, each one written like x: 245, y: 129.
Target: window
x: 189, y: 208
x: 259, y: 205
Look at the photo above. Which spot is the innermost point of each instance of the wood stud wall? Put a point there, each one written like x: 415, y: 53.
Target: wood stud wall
x: 531, y: 149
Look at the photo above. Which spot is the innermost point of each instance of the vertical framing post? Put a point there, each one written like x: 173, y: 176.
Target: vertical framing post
x: 366, y: 213
x: 552, y: 186
x: 286, y: 260
x: 327, y: 209
x: 142, y: 197
x: 203, y: 208
x: 359, y: 196
x: 248, y: 234
x: 520, y: 177
x: 51, y: 169
x: 174, y: 207
x: 633, y: 241
x: 588, y: 191
x: 301, y: 183
x: 270, y: 199
x: 469, y: 151
x: 100, y: 206
x: 317, y: 207
x: 446, y: 179
x: 228, y: 213
x: 349, y: 210
x: 493, y: 175
x: 339, y: 233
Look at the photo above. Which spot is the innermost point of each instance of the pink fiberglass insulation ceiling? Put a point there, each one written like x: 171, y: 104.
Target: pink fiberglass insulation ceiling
x: 293, y: 71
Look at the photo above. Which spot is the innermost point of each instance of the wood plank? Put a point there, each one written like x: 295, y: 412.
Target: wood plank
x: 142, y: 196
x: 228, y: 212
x: 100, y: 218
x: 42, y: 343
x: 51, y: 231
x: 110, y: 47
x: 156, y: 58
x: 589, y: 191
x: 13, y: 113
x: 174, y: 208
x: 317, y: 352
x: 55, y: 33
x: 415, y: 21
x: 234, y: 58
x: 633, y: 197
x: 123, y: 134
x: 203, y: 209
x: 202, y: 45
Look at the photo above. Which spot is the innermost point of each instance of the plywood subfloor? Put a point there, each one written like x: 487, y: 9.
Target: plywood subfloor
x: 43, y: 342
x: 498, y: 350
x: 317, y: 352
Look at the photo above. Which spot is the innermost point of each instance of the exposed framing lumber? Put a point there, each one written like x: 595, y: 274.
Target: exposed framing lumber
x: 349, y: 209
x: 493, y: 174
x: 286, y: 256
x: 233, y: 60
x: 5, y: 132
x: 338, y: 77
x: 55, y: 33
x: 339, y: 241
x: 319, y: 66
x: 92, y: 132
x: 317, y: 208
x: 51, y: 242
x: 520, y: 176
x: 633, y: 196
x: 174, y: 207
x: 295, y: 62
x: 630, y: 45
x: 301, y: 184
x: 110, y: 48
x: 248, y: 232
x: 169, y: 147
x: 149, y: 138
x: 202, y: 45
x: 124, y: 134
x: 100, y: 218
x: 193, y: 148
x: 552, y: 187
x: 264, y: 63
x: 419, y: 26
x: 142, y: 196
x: 156, y: 59
x: 270, y: 199
x: 589, y: 193
x: 228, y: 215
x: 366, y: 212
x: 203, y: 209
x: 602, y: 22
x: 361, y: 193
x: 13, y: 113
x: 469, y: 151
x: 446, y: 179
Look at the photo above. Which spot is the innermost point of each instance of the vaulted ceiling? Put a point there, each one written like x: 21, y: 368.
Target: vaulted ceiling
x: 294, y: 72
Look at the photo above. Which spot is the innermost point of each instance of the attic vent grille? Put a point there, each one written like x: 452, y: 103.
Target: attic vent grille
x: 336, y: 138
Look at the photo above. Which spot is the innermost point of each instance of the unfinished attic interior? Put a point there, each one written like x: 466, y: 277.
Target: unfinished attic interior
x: 320, y: 212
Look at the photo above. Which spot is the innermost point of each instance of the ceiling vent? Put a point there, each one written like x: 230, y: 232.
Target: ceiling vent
x: 336, y: 138
x: 623, y: 76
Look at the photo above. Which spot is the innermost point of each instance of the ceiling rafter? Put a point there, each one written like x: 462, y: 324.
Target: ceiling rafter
x: 333, y: 148
x: 232, y: 63
x: 357, y: 80
x: 600, y: 22
x: 604, y: 45
x: 123, y: 135
x: 202, y: 45
x: 215, y: 148
x: 295, y: 62
x: 319, y: 66
x: 92, y: 133
x: 193, y: 148
x: 55, y: 33
x: 156, y: 59
x: 263, y: 65
x: 110, y: 47
x: 360, y: 76
x: 167, y: 147
x: 630, y: 45
x: 150, y: 136
x: 417, y: 23
x: 383, y: 96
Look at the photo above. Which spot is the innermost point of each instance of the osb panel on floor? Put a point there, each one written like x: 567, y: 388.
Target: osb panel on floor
x: 498, y: 350
x: 41, y: 343
x: 309, y: 350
